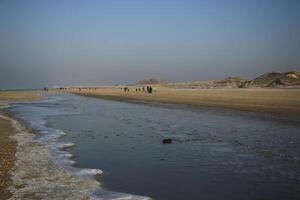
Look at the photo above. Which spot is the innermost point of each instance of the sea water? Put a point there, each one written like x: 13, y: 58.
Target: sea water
x: 214, y: 154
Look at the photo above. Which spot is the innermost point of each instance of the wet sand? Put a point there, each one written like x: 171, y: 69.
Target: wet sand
x: 8, y: 145
x: 283, y: 101
x: 7, y: 156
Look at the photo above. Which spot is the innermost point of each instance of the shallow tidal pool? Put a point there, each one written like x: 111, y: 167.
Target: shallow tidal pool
x: 214, y: 153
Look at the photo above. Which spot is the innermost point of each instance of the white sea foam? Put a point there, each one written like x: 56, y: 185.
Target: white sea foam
x: 96, y: 172
x: 3, y: 105
x: 47, y: 146
x: 70, y: 162
x: 65, y: 145
x: 62, y: 133
x: 66, y: 155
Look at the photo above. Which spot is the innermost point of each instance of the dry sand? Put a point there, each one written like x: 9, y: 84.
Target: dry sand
x: 284, y: 101
x: 19, y: 95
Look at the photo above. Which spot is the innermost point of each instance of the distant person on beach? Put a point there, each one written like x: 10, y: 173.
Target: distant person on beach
x: 149, y: 89
x: 126, y: 89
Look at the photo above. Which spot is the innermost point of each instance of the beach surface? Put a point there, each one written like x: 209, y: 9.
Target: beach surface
x: 19, y: 95
x: 27, y: 170
x: 283, y: 101
x: 8, y: 145
x: 7, y: 155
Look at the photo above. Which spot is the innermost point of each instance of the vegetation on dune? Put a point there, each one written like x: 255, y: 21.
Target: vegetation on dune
x: 151, y: 81
x: 271, y: 79
x: 266, y: 79
x: 291, y: 78
x: 230, y: 82
x: 276, y: 79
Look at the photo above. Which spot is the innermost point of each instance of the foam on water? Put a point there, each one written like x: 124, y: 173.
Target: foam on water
x: 90, y: 172
x: 64, y: 154
x: 65, y: 145
x: 35, y: 114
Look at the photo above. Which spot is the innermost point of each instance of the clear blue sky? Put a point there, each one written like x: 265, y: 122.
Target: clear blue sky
x: 64, y: 42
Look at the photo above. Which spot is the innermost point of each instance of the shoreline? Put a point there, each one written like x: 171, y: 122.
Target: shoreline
x: 35, y: 175
x: 284, y: 102
x: 34, y: 171
x: 8, y: 144
x: 27, y: 167
x: 8, y: 149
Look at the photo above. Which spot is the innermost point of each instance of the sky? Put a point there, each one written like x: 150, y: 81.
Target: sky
x: 103, y: 42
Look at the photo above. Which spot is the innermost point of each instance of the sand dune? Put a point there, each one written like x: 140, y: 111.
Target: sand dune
x: 267, y: 80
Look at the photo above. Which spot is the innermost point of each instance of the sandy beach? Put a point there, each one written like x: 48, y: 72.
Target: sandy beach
x: 8, y: 145
x: 19, y: 95
x: 27, y: 170
x: 140, y: 100
x: 283, y: 101
x: 7, y: 154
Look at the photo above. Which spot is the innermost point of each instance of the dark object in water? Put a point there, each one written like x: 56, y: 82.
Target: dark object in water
x: 236, y: 143
x: 167, y: 141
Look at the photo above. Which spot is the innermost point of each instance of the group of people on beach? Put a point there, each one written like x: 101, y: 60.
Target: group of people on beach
x: 73, y: 88
x: 146, y: 89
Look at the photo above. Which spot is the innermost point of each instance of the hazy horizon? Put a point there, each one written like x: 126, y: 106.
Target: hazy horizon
x: 53, y: 43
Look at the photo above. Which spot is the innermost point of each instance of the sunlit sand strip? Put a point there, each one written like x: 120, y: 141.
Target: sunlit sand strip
x: 280, y: 101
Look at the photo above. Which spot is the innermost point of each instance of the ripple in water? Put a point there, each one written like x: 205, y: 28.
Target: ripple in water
x: 215, y: 154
